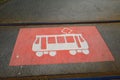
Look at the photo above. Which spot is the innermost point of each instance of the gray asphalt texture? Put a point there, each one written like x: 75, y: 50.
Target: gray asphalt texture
x: 109, y: 32
x: 18, y: 11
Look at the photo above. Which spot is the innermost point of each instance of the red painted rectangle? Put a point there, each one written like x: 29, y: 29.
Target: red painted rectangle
x: 70, y: 39
x: 43, y: 43
x: 27, y: 52
x: 51, y: 40
x: 77, y: 41
x: 61, y: 39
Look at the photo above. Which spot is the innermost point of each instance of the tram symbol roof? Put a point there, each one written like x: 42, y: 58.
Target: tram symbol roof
x: 66, y: 30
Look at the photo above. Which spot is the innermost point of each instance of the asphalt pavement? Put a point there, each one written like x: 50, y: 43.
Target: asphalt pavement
x: 22, y: 11
x: 109, y: 32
